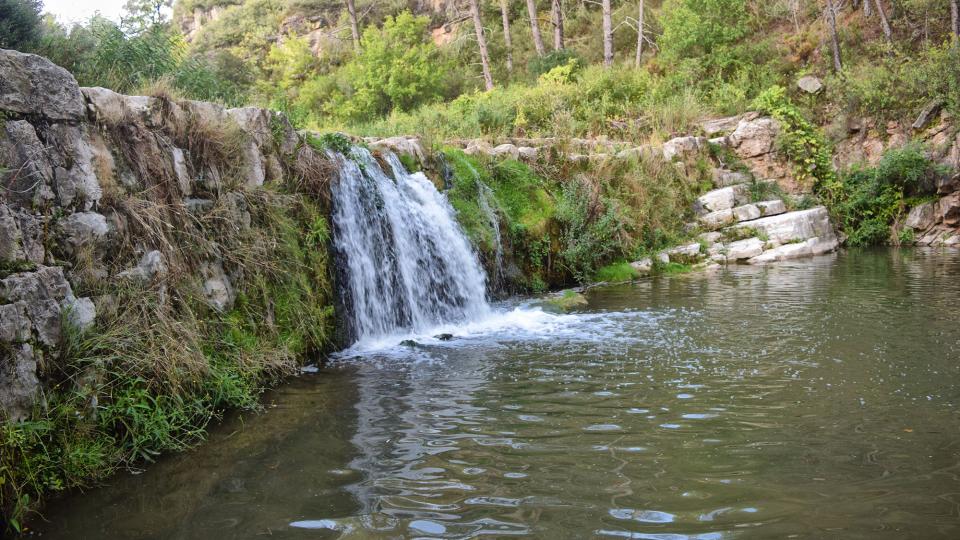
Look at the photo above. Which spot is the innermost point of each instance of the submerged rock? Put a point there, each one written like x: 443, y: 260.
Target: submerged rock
x: 443, y: 337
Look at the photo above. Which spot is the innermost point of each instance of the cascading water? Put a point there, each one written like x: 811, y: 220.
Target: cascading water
x: 405, y: 266
x: 485, y: 196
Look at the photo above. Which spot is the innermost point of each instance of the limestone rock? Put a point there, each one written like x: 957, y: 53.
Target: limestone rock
x: 527, y: 153
x: 151, y: 265
x: 83, y: 229
x: 725, y: 178
x: 922, y: 217
x: 725, y: 126
x: 18, y: 381
x: 81, y: 313
x: 754, y: 138
x: 14, y: 323
x: 42, y: 293
x: 807, y: 248
x: 794, y: 226
x: 33, y: 85
x: 31, y: 185
x: 718, y: 219
x: 682, y: 147
x: 111, y: 108
x: 403, y: 146
x: 810, y: 84
x: 506, y: 150
x: 75, y: 179
x: 746, y: 212
x: 744, y: 249
x: 20, y: 237
x: 643, y: 266
x: 217, y: 287
x: 721, y: 199
x: 927, y: 114
x: 771, y: 208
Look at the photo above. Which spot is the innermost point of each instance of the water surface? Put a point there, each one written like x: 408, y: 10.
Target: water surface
x: 809, y: 399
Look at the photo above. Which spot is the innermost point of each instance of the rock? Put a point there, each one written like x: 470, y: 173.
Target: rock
x: 721, y: 199
x: 217, y: 289
x: 443, y: 337
x: 506, y: 150
x: 32, y: 185
x: 746, y: 212
x: 793, y: 226
x: 796, y: 250
x: 83, y: 229
x: 744, y: 249
x: 921, y: 217
x: 682, y: 147
x: 718, y: 219
x: 948, y: 184
x: 15, y: 324
x: 684, y: 254
x: 663, y: 257
x: 111, y: 108
x: 723, y: 126
x: 184, y: 181
x: 527, y: 153
x: 198, y: 206
x: 32, y: 85
x: 411, y: 147
x: 949, y: 209
x: 643, y: 266
x: 19, y: 386
x: 810, y: 84
x: 477, y: 148
x: 754, y: 138
x: 930, y: 110
x: 771, y: 208
x: 75, y: 178
x: 725, y: 178
x: 253, y: 165
x: 409, y: 343
x: 710, y: 237
x: 642, y: 152
x: 151, y: 265
x: 80, y: 312
x: 42, y: 293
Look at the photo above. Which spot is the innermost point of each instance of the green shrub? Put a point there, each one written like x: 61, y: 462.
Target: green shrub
x: 616, y: 272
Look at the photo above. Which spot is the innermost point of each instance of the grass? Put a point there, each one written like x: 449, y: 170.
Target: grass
x: 616, y: 272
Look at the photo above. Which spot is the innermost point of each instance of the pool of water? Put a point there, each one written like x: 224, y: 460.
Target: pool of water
x: 809, y: 399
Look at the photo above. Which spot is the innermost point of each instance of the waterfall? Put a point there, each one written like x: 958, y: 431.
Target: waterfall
x: 485, y: 196
x: 404, y: 264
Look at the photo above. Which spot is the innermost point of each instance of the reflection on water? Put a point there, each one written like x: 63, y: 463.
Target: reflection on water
x: 815, y: 398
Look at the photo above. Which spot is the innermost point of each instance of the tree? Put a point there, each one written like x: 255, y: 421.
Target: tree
x: 506, y: 34
x: 955, y: 19
x: 639, y: 34
x: 354, y: 29
x: 867, y: 9
x: 607, y: 35
x: 482, y: 44
x: 141, y: 15
x: 19, y: 23
x: 884, y: 23
x: 556, y: 16
x: 834, y: 40
x: 535, y: 27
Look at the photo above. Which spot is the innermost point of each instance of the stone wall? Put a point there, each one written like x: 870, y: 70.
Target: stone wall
x: 101, y: 188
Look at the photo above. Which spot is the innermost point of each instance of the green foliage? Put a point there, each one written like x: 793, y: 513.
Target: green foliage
x: 593, y: 229
x: 873, y: 197
x: 337, y: 142
x: 554, y: 59
x: 616, y: 272
x: 399, y: 68
x: 799, y: 140
x: 19, y: 23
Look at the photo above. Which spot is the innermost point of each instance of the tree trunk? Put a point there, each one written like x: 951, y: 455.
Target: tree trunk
x: 535, y: 27
x: 506, y: 34
x: 884, y: 22
x: 607, y: 35
x: 482, y: 43
x: 639, y: 34
x: 834, y: 40
x: 955, y: 19
x: 556, y: 15
x: 354, y: 29
x: 867, y: 9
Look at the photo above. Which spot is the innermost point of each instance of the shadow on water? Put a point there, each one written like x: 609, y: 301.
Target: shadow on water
x: 814, y: 398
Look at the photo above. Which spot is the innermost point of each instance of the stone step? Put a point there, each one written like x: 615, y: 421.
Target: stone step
x: 721, y: 199
x: 743, y: 213
x: 794, y: 226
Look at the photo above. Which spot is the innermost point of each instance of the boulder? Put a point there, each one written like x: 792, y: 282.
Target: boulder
x: 506, y: 150
x: 217, y: 288
x: 151, y: 265
x: 810, y: 84
x: 403, y: 146
x: 746, y: 212
x: 721, y: 199
x: 685, y: 254
x: 80, y: 312
x: 744, y: 249
x: 793, y: 226
x: 725, y: 178
x: 111, y: 108
x: 754, y: 138
x: 44, y: 294
x: 930, y: 110
x: 32, y: 85
x: 922, y: 217
x: 718, y: 219
x: 527, y: 153
x: 771, y: 208
x: 725, y: 126
x: 643, y: 266
x: 807, y: 248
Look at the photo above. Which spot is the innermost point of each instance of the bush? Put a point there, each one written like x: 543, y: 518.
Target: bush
x: 873, y: 197
x: 546, y: 63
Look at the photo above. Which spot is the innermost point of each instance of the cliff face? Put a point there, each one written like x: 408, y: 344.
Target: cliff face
x: 110, y: 202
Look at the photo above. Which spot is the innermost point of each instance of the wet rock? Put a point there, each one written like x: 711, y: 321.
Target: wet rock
x: 810, y: 84
x: 643, y: 266
x: 443, y: 337
x: 33, y: 85
x: 403, y: 146
x: 409, y: 343
x: 19, y: 386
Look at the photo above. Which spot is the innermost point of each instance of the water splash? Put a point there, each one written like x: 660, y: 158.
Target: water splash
x: 485, y: 198
x: 405, y: 265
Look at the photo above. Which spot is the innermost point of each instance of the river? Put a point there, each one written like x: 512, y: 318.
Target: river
x: 808, y: 399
